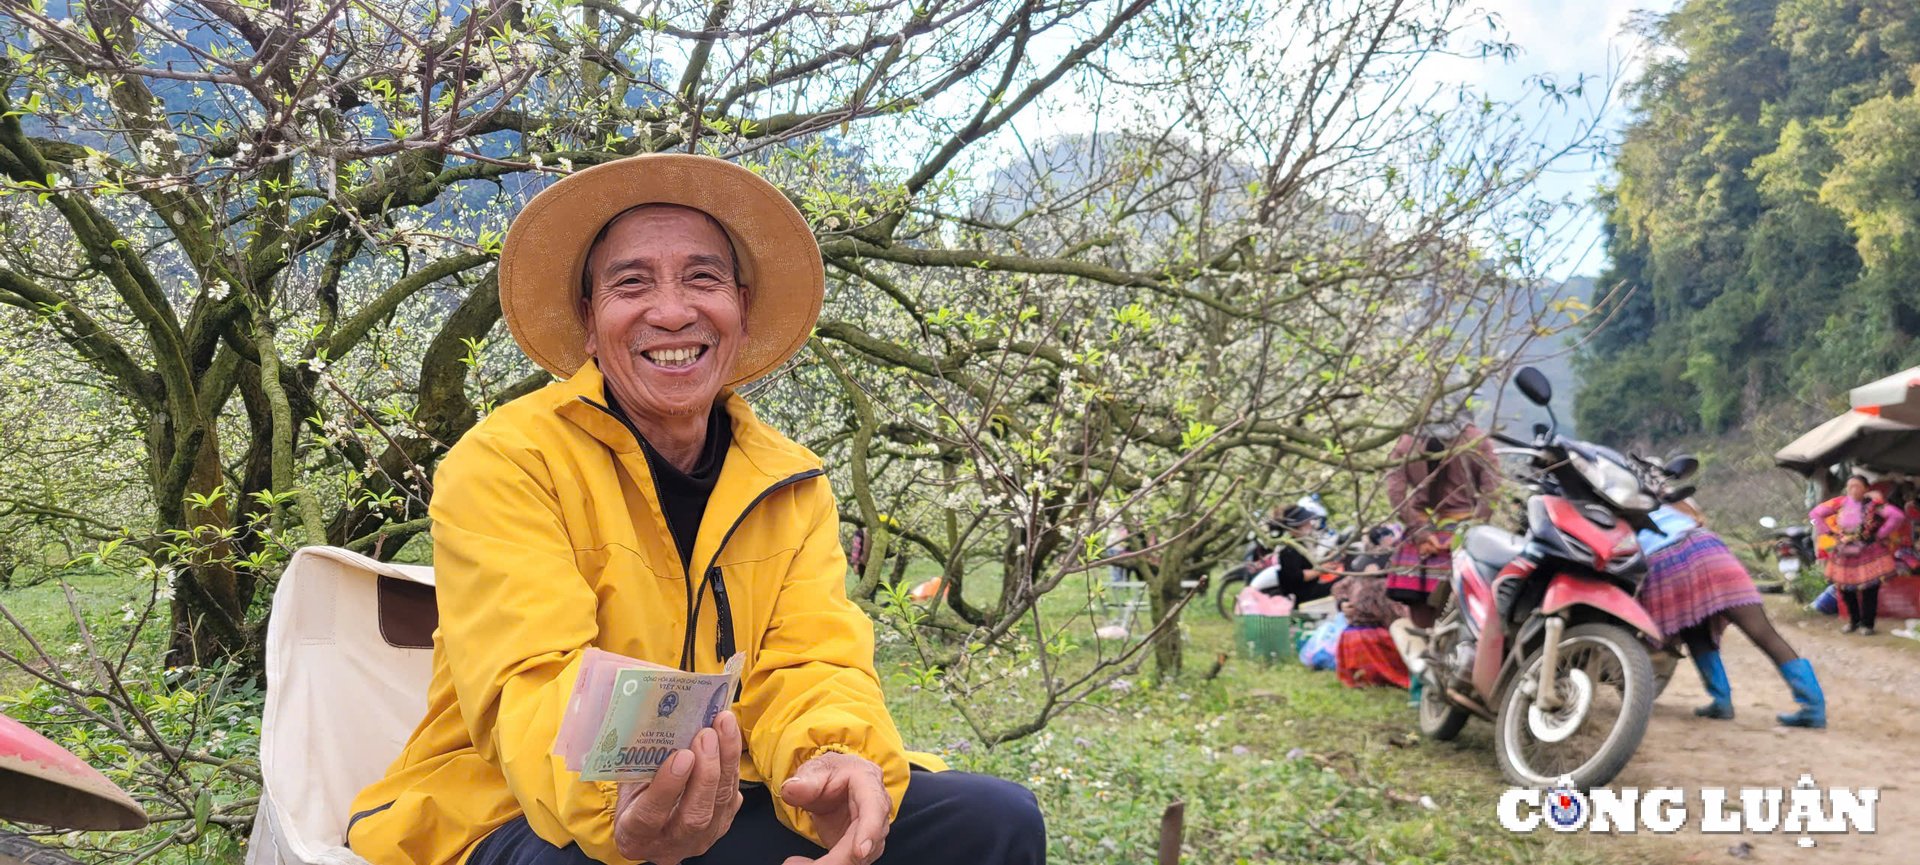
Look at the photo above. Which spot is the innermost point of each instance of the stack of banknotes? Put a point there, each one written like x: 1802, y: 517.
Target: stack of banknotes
x: 626, y: 716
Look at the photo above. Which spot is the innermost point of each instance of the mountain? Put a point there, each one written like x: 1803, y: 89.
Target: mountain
x: 1552, y: 355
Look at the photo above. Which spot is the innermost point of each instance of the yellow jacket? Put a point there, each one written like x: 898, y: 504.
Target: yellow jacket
x: 548, y: 539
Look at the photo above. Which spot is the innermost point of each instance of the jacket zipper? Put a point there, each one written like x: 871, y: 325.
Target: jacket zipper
x: 723, y: 629
x: 723, y: 643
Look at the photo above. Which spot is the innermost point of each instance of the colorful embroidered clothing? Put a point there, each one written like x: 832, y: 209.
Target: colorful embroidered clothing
x: 1367, y: 657
x: 1414, y: 576
x: 1866, y: 566
x: 1693, y: 579
x: 1862, y: 529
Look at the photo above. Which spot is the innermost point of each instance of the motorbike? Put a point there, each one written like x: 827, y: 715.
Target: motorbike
x: 1791, y: 546
x: 41, y: 783
x: 1260, y: 555
x: 1539, y: 632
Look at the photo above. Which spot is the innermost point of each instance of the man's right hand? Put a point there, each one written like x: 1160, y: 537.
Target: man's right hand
x: 688, y: 805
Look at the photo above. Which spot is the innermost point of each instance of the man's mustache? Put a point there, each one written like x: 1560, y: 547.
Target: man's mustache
x: 703, y: 334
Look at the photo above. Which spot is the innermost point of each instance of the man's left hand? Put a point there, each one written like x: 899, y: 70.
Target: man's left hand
x: 847, y: 796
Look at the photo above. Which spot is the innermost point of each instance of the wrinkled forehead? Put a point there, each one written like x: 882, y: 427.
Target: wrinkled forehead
x: 659, y: 215
x: 596, y: 259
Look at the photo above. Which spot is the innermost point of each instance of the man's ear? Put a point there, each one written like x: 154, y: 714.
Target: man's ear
x: 585, y: 310
x: 746, y: 303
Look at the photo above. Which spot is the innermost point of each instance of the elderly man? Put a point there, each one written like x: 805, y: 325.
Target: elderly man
x: 638, y: 506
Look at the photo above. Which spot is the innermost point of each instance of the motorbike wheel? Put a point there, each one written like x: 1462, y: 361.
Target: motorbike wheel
x: 1440, y: 719
x: 20, y: 850
x: 1665, y: 662
x: 1607, y: 684
x: 1230, y: 584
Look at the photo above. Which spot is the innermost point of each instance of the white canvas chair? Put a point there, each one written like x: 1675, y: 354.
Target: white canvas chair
x: 349, y: 655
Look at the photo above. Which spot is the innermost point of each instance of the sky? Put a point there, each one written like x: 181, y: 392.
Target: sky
x: 1558, y: 39
x: 1563, y: 39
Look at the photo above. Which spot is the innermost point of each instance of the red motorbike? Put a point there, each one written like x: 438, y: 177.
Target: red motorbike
x: 1539, y: 632
x: 41, y: 783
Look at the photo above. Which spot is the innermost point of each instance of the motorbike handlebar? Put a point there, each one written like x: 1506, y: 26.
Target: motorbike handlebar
x: 1503, y: 438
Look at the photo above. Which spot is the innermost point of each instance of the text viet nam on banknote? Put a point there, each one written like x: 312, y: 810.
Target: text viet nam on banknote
x: 650, y: 714
x: 587, y: 706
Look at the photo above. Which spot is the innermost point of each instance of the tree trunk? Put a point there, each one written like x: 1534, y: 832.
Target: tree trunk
x: 209, y: 610
x: 1163, y: 591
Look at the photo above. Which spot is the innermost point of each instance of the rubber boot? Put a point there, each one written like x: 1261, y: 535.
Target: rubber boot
x: 1713, y: 675
x: 1806, y: 692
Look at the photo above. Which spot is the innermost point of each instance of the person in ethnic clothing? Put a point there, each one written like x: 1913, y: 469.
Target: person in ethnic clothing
x: 1695, y: 587
x: 1446, y: 474
x: 1366, y: 654
x: 1862, y: 526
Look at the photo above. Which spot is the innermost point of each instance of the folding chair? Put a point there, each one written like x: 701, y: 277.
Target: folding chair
x: 349, y: 657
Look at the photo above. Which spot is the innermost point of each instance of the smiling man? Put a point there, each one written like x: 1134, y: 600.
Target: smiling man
x: 638, y: 506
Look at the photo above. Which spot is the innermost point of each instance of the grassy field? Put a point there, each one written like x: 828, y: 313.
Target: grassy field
x: 1275, y: 763
x: 44, y: 610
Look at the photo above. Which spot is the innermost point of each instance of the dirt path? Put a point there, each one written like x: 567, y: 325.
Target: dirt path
x: 1872, y: 740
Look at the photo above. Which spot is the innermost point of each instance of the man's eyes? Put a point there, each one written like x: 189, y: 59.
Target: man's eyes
x: 697, y: 280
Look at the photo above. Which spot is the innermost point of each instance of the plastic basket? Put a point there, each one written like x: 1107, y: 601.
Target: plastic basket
x: 1267, y: 638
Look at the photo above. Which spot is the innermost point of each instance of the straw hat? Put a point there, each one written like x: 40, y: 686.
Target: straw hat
x: 546, y: 253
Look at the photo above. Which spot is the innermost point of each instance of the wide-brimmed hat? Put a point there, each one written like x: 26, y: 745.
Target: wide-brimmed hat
x: 546, y: 252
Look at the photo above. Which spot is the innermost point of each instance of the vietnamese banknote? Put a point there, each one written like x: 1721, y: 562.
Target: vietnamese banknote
x: 639, y: 714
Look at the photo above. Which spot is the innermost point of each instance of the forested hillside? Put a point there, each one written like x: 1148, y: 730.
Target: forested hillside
x: 1764, y: 229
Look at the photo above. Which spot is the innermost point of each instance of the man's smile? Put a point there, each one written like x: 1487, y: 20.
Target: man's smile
x: 675, y: 358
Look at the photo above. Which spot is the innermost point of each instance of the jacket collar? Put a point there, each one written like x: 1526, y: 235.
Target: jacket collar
x: 583, y: 401
x: 758, y: 460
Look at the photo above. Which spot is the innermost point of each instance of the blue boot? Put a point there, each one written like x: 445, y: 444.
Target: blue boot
x: 1806, y: 692
x: 1713, y: 675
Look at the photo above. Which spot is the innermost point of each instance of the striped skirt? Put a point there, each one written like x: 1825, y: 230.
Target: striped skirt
x: 1690, y: 581
x: 1412, y: 577
x: 1366, y: 657
x: 1873, y: 563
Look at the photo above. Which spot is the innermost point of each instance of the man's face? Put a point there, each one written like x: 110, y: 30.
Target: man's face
x: 666, y: 315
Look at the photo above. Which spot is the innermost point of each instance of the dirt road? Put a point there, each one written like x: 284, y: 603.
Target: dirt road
x: 1872, y: 740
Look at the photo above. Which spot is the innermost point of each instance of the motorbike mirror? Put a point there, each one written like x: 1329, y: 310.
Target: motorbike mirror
x: 1682, y: 466
x: 1533, y: 385
x: 1540, y: 430
x: 1769, y: 522
x: 1679, y: 495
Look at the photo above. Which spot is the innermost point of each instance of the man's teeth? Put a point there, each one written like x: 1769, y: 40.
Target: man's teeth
x: 674, y: 356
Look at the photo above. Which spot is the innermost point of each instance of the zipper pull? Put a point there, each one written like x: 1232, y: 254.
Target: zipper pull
x: 723, y: 629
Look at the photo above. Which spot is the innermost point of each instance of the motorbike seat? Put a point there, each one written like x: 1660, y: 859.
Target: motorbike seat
x: 1493, y: 547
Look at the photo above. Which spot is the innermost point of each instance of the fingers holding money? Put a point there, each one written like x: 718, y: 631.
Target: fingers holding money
x: 642, y: 828
x: 726, y: 794
x: 688, y: 806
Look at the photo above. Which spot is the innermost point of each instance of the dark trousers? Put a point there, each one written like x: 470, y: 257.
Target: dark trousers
x: 946, y: 817
x: 1862, y: 604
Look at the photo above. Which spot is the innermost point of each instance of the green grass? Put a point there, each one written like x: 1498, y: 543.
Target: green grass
x: 43, y: 609
x: 1275, y: 764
